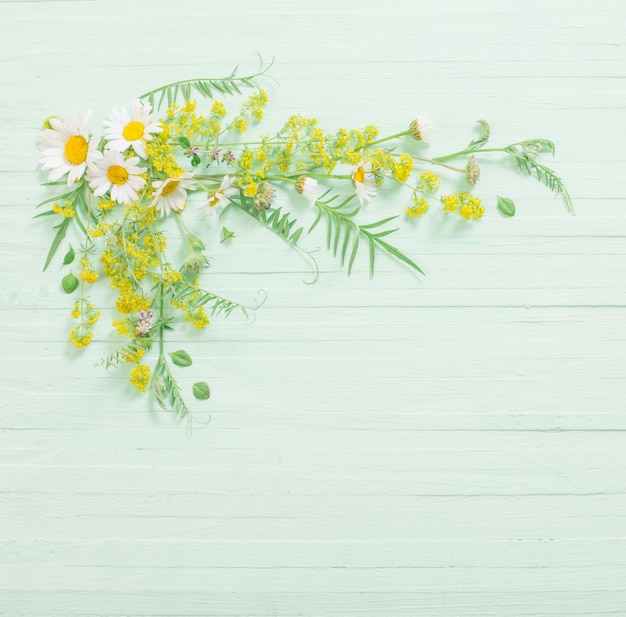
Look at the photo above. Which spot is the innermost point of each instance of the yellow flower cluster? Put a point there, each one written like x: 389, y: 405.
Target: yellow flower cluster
x: 169, y: 276
x: 419, y: 209
x: 101, y: 229
x: 251, y: 189
x: 346, y: 147
x: 184, y: 121
x: 123, y: 326
x: 140, y: 377
x: 402, y: 168
x: 239, y: 124
x: 197, y: 317
x: 468, y: 206
x: 82, y: 334
x: 88, y: 274
x: 161, y: 153
x: 256, y: 103
x: 131, y: 301
x: 66, y: 211
x: 429, y: 182
x: 107, y: 204
x: 218, y: 110
x: 81, y: 337
x: 124, y: 278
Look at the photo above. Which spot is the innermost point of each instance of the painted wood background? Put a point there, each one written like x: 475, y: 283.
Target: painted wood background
x: 444, y: 446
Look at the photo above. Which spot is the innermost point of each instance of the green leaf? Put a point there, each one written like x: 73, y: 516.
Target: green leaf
x: 483, y: 138
x: 180, y: 358
x: 69, y: 256
x: 46, y: 213
x: 392, y: 250
x: 184, y: 142
x: 201, y: 390
x: 62, y: 229
x: 195, y: 161
x: 69, y: 283
x: 506, y: 206
x: 227, y: 234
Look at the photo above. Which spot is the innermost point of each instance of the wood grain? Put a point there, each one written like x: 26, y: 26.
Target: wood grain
x: 442, y: 446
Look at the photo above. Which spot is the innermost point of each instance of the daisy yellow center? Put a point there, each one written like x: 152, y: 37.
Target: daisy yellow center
x: 133, y: 131
x: 170, y: 187
x: 76, y: 149
x: 359, y: 175
x: 215, y: 199
x: 117, y: 175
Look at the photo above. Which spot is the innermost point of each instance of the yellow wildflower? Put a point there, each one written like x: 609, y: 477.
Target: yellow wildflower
x: 419, y: 209
x: 429, y: 181
x: 66, y: 211
x: 88, y: 274
x: 80, y: 336
x: 251, y: 189
x: 140, y: 377
x: 402, y: 169
x: 451, y: 203
x: 218, y: 109
x: 198, y: 318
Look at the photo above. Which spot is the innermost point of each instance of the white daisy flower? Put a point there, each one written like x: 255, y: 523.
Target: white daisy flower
x: 120, y: 175
x: 124, y: 129
x: 67, y: 149
x: 422, y: 128
x: 219, y: 196
x: 307, y: 187
x: 172, y: 193
x: 364, y: 181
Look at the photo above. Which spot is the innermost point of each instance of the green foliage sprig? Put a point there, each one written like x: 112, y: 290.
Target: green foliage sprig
x: 123, y: 188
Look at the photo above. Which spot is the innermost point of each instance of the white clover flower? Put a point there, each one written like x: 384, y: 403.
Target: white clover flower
x: 126, y: 129
x: 172, y: 193
x: 67, y: 149
x: 422, y: 128
x: 307, y: 187
x: 118, y: 174
x: 219, y: 196
x: 364, y: 181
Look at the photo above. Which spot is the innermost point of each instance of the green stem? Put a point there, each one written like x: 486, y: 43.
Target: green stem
x: 161, y: 318
x: 437, y: 162
x: 231, y: 78
x: 454, y: 155
x: 383, y: 139
x: 335, y: 176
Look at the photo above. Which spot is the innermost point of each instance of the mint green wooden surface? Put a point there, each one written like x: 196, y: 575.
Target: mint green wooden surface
x: 445, y: 446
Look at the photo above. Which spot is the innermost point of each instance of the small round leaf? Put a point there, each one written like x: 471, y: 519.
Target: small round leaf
x: 69, y: 283
x: 69, y: 257
x: 201, y: 390
x: 506, y: 206
x: 181, y: 358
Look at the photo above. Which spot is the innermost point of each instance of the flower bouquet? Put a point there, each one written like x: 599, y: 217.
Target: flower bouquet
x: 115, y: 190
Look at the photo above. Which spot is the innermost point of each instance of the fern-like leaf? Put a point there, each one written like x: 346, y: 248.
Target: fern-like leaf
x: 129, y: 350
x: 206, y: 87
x: 343, y: 233
x: 525, y: 157
x: 166, y: 390
x: 196, y: 297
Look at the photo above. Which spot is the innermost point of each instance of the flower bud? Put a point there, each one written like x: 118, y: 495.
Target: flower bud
x: 306, y: 187
x: 144, y: 324
x: 472, y: 171
x: 194, y: 263
x: 264, y: 196
x: 421, y: 128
